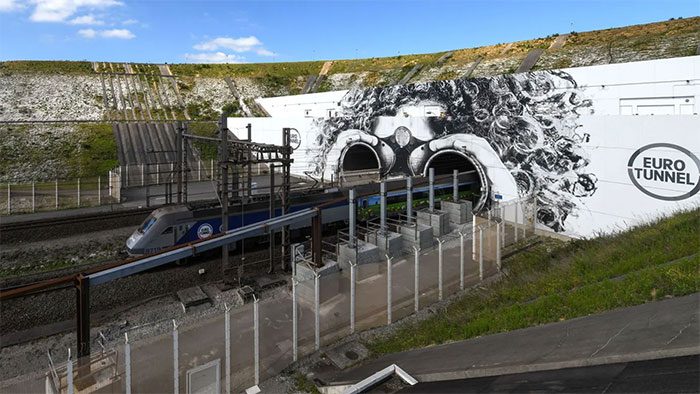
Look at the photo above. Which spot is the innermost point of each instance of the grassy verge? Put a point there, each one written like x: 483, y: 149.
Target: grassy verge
x: 557, y: 281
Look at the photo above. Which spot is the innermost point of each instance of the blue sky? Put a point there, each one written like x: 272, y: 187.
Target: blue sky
x: 264, y: 31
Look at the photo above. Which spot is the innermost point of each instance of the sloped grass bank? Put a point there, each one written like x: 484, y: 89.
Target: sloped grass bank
x: 56, y: 151
x: 556, y: 281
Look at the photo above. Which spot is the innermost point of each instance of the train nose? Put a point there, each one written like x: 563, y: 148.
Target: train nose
x: 131, y: 241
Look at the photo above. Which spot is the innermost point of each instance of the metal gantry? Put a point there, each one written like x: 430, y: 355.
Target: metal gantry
x: 242, y: 155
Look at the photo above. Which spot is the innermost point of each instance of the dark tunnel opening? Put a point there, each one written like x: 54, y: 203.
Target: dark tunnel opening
x: 360, y: 157
x: 446, y: 163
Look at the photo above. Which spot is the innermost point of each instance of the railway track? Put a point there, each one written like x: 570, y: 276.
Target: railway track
x: 45, y: 229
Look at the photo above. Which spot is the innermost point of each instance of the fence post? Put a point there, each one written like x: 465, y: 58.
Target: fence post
x: 481, y: 254
x: 498, y: 245
x: 9, y: 199
x: 440, y: 242
x: 176, y: 367
x: 211, y: 168
x: 317, y: 312
x: 127, y: 176
x: 431, y: 190
x: 388, y: 290
x: 503, y: 224
x: 256, y: 340
x: 78, y: 192
x: 127, y: 362
x: 416, y: 275
x: 56, y: 189
x: 199, y: 170
x: 227, y: 337
x: 461, y: 261
x: 99, y: 190
x: 455, y: 185
x: 143, y: 176
x: 473, y: 233
x: 295, y: 342
x: 69, y: 373
x: 515, y: 224
x: 157, y: 173
x: 33, y: 197
x: 353, y: 273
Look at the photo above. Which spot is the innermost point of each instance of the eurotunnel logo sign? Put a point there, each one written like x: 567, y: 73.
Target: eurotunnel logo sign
x: 294, y: 139
x: 665, y: 171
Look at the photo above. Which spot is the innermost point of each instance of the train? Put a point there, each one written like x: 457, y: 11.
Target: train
x: 178, y: 224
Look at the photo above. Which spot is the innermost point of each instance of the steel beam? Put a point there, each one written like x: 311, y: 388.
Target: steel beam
x: 224, y: 196
x: 316, y: 239
x: 431, y: 189
x: 271, y: 268
x: 82, y: 293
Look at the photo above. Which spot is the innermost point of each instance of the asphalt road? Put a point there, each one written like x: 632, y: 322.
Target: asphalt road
x: 667, y: 375
x: 661, y: 329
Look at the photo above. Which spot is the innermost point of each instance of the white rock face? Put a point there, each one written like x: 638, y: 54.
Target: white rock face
x: 212, y: 90
x: 48, y: 97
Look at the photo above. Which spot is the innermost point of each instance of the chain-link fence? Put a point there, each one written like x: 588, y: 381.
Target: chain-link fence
x: 241, y: 346
x: 59, y: 194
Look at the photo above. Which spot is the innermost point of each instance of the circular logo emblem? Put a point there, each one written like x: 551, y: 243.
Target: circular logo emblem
x: 294, y: 139
x: 205, y: 231
x: 665, y: 171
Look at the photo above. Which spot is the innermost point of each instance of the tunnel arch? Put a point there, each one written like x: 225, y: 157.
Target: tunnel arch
x: 359, y: 162
x: 446, y: 161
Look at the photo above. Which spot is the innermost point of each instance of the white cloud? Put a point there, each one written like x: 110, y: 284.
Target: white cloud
x: 242, y: 44
x: 264, y: 52
x: 86, y: 20
x: 10, y: 5
x: 61, y: 10
x: 88, y: 33
x: 122, y: 34
x: 213, y: 57
x: 130, y: 22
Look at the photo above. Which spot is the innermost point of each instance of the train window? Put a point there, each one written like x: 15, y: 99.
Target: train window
x: 168, y: 230
x: 147, y: 224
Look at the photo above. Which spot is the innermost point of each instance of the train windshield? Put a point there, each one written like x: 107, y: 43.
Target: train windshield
x: 150, y: 220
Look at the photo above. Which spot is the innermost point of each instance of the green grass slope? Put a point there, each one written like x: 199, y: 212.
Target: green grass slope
x: 555, y: 281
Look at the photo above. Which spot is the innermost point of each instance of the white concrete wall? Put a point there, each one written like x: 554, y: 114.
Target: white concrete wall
x: 303, y: 105
x: 617, y: 203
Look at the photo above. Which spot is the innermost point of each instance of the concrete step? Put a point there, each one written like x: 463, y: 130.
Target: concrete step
x: 532, y: 57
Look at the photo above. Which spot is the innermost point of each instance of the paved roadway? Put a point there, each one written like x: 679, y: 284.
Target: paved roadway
x: 660, y: 329
x: 667, y: 375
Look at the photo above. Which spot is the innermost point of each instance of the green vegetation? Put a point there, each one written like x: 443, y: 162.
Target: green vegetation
x: 72, y: 151
x: 96, y: 150
x: 202, y: 111
x: 44, y: 67
x: 304, y: 385
x: 207, y: 150
x: 231, y: 109
x: 399, y: 207
x: 556, y: 281
x: 251, y: 70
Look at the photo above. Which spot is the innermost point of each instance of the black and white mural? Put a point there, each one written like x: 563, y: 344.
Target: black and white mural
x: 524, y: 124
x: 532, y: 134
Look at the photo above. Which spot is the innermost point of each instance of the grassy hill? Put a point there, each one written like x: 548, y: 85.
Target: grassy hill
x: 68, y: 90
x: 672, y: 38
x: 556, y: 281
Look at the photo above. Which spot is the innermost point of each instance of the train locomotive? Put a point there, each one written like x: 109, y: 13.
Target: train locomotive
x: 179, y: 224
